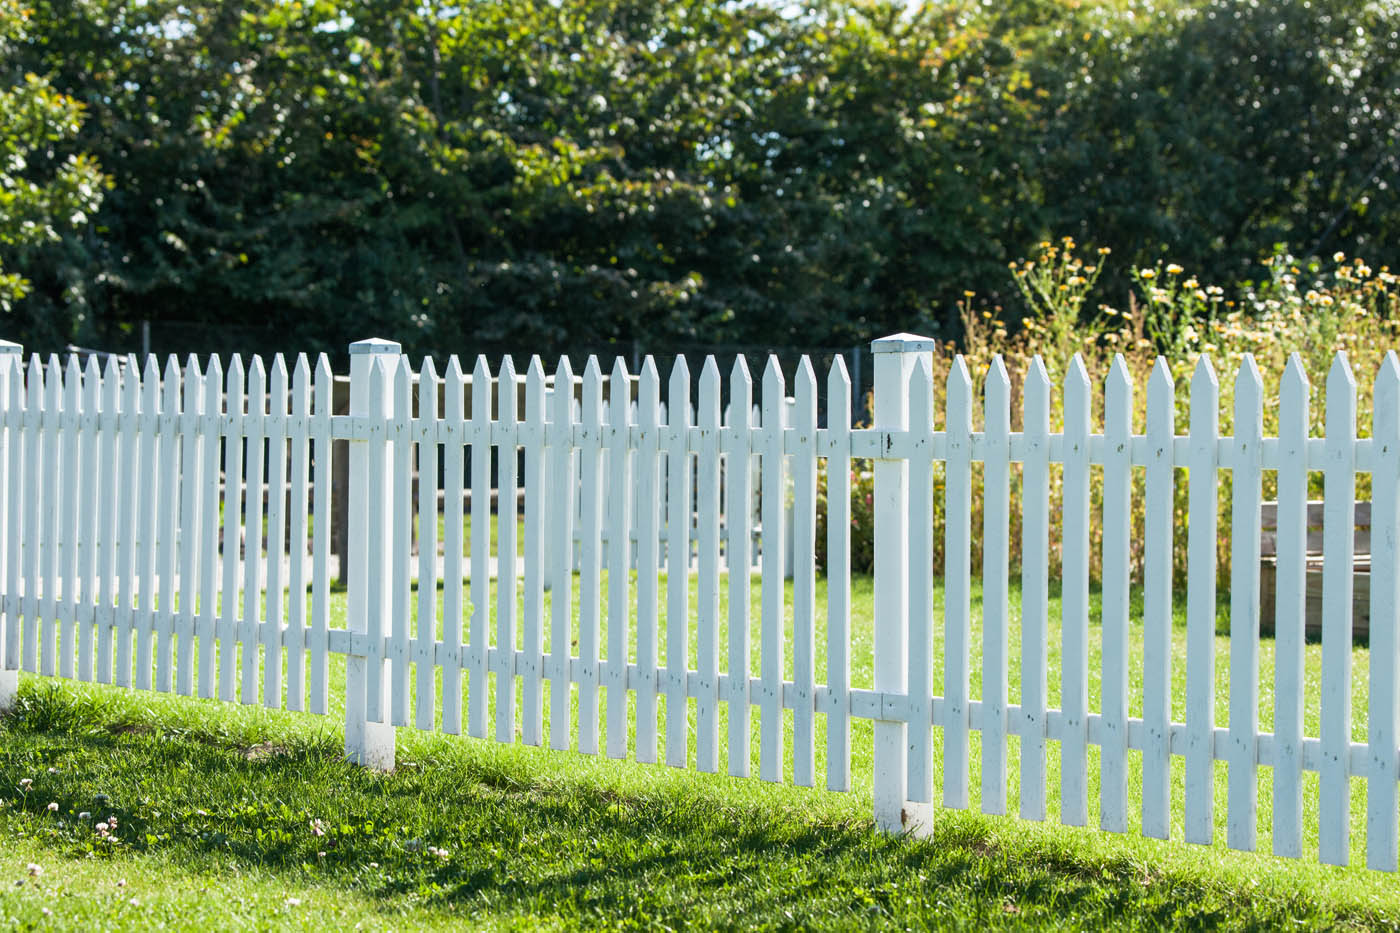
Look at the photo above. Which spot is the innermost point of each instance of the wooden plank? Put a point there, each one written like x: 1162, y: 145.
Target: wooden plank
x: 187, y: 526
x: 453, y: 472
x: 1383, y: 711
x: 838, y: 577
x: 507, y: 404
x: 51, y: 529
x: 647, y: 464
x: 88, y: 517
x: 425, y: 635
x: 168, y: 524
x: 230, y: 611
x: 136, y: 545
x: 255, y: 429
x: 15, y: 441
x: 996, y: 534
x: 1035, y: 594
x: 320, y: 545
x: 1200, y: 607
x: 920, y: 531
x: 1246, y: 493
x: 707, y: 495
x: 590, y: 459
x: 299, y: 485
x: 378, y: 560
x: 34, y: 516
x: 532, y: 621
x: 678, y: 481
x: 804, y: 575
x: 68, y: 521
x: 211, y: 438
x: 1157, y: 569
x: 276, y: 468
x: 1290, y: 580
x: 561, y: 506
x: 738, y: 479
x: 115, y: 485
x: 1074, y: 685
x: 1117, y: 548
x: 478, y: 647
x: 1339, y: 483
x: 619, y: 519
x: 401, y: 441
x: 771, y: 634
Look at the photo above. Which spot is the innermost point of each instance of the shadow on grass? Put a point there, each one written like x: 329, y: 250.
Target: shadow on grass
x: 471, y: 830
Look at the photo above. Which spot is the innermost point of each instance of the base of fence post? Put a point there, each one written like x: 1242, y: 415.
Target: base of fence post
x: 9, y: 690
x: 370, y: 745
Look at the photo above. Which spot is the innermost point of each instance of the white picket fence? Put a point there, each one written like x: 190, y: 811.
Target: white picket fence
x: 134, y: 552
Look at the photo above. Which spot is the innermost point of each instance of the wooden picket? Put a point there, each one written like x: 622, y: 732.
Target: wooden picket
x: 165, y: 526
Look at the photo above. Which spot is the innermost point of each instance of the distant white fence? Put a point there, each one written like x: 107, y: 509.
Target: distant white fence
x: 145, y: 515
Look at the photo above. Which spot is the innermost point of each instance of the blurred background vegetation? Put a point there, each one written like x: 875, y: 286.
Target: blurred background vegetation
x: 534, y: 176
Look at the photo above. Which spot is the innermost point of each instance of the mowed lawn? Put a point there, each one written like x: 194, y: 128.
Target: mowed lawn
x: 235, y: 816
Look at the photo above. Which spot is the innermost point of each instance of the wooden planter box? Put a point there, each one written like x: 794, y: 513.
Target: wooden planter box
x: 1312, y: 614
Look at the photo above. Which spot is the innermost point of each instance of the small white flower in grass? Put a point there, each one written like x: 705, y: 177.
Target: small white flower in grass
x: 201, y: 813
x: 53, y: 806
x: 35, y: 870
x: 25, y: 782
x: 373, y: 864
x: 293, y: 902
x: 53, y: 771
x: 318, y: 828
x: 85, y: 815
x: 113, y: 819
x: 121, y: 882
x: 320, y: 855
x: 47, y: 912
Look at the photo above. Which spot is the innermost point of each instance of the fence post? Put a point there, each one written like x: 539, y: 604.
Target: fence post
x: 895, y: 357
x: 11, y: 357
x: 368, y: 742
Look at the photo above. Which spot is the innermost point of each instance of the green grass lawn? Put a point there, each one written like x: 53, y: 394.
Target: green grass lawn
x: 216, y: 808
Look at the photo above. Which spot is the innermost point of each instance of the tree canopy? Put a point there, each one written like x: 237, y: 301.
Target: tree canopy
x: 541, y: 175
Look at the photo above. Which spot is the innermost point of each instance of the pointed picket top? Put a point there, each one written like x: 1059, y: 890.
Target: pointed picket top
x: 534, y: 388
x: 774, y: 390
x: 1118, y: 397
x: 619, y: 392
x: 1387, y: 398
x: 740, y: 411
x: 402, y: 376
x: 171, y: 386
x: 301, y: 373
x: 592, y: 405
x: 193, y: 385
x: 563, y: 413
x: 453, y: 394
x: 235, y: 378
x: 996, y: 397
x: 278, y: 377
x: 1341, y: 398
x: 92, y: 373
x: 146, y: 388
x: 36, y: 383
x: 1204, y: 374
x: 257, y: 376
x: 921, y: 395
x: 481, y: 392
x: 708, y: 415
x: 1294, y: 386
x: 213, y: 386
x: 649, y: 394
x: 1035, y: 395
x: 805, y: 392
x: 740, y: 383
x: 73, y: 372
x: 1249, y: 391
x: 958, y: 400
x: 1076, y: 384
x: 1161, y: 378
x: 53, y: 386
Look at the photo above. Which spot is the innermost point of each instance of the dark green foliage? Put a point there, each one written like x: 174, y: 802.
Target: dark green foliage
x: 540, y: 176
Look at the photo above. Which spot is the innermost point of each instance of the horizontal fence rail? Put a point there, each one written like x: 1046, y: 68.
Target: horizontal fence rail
x: 169, y: 529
